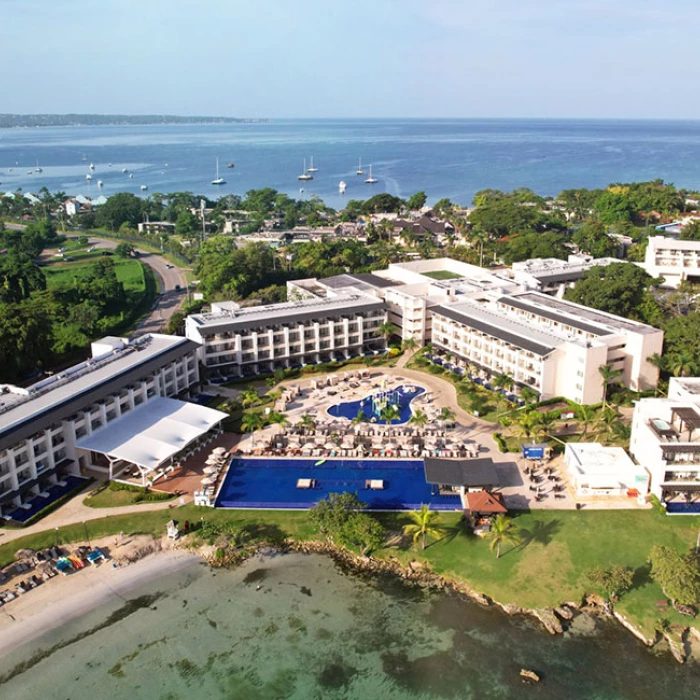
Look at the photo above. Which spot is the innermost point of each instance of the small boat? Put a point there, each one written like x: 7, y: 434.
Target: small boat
x: 144, y: 188
x: 131, y: 176
x: 88, y: 177
x: 38, y: 169
x: 218, y: 180
x: 109, y: 165
x: 100, y: 183
x: 30, y: 172
x: 304, y: 174
x: 311, y: 168
x: 92, y: 167
x: 84, y: 158
x: 371, y: 180
x: 359, y: 170
x: 341, y: 187
x: 230, y: 165
x: 320, y: 462
x: 125, y: 170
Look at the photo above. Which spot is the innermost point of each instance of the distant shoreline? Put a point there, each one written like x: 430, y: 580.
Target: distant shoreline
x: 10, y: 121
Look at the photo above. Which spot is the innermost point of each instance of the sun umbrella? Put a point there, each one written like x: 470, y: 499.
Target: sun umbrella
x: 208, y: 480
x: 330, y: 445
x: 309, y: 446
x: 21, y: 554
x: 219, y: 451
x: 210, y: 470
x: 212, y: 461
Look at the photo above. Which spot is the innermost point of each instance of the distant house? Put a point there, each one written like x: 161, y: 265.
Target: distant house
x: 156, y: 227
x: 72, y: 207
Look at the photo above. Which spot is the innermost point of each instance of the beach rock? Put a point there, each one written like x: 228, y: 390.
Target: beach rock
x: 677, y: 648
x: 564, y: 612
x: 550, y: 621
x: 529, y: 675
x: 636, y: 632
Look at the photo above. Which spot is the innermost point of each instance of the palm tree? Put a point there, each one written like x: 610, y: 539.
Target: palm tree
x: 418, y: 418
x: 477, y: 402
x: 682, y: 364
x: 609, y: 375
x: 359, y: 418
x: 446, y: 415
x: 390, y: 413
x: 249, y: 397
x: 409, y: 344
x: 307, y: 422
x: 503, y: 531
x: 250, y: 422
x: 528, y: 395
x: 545, y: 422
x: 586, y: 417
x: 277, y: 418
x: 527, y: 423
x: 423, y: 525
x: 480, y: 237
x: 386, y: 330
x: 503, y: 381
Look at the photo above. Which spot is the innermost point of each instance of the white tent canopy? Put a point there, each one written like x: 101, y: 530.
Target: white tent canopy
x: 151, y: 434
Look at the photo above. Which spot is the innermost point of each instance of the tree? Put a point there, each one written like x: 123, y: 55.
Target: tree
x: 681, y: 364
x: 307, y: 422
x: 187, y: 224
x: 423, y: 525
x: 124, y: 250
x: 359, y: 418
x: 251, y: 422
x: 417, y: 201
x: 612, y: 580
x: 677, y: 574
x: 527, y: 423
x: 477, y: 402
x: 528, y: 395
x: 362, y: 531
x: 409, y: 344
x: 120, y: 208
x: 503, y: 531
x: 386, y: 330
x: 390, y: 413
x: 609, y: 376
x: 586, y: 417
x: 592, y: 238
x: 249, y: 397
x: 331, y: 514
x: 618, y: 288
x: 418, y: 417
x: 446, y: 415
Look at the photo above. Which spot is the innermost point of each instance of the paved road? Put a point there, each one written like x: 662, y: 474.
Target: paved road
x: 173, y: 284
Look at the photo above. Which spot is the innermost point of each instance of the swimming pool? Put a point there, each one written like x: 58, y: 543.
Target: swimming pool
x: 272, y: 483
x: 372, y: 404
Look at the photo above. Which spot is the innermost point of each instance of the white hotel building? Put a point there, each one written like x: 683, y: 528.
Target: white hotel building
x: 237, y: 341
x: 673, y: 259
x: 491, y: 321
x: 666, y: 441
x: 42, y: 426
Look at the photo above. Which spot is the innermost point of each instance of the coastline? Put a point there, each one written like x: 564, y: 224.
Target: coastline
x: 65, y: 599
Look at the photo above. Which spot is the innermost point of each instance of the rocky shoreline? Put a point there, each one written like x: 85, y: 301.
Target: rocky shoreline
x: 554, y: 620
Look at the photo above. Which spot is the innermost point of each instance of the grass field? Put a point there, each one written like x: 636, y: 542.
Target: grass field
x: 107, y: 498
x: 442, y: 275
x: 129, y: 272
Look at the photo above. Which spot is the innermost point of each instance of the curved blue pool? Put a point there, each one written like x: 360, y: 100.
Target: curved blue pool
x: 372, y: 405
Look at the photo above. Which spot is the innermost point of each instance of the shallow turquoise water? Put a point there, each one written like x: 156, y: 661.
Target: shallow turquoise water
x: 296, y: 627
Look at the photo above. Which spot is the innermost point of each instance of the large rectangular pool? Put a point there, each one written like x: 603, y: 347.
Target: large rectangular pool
x: 272, y: 483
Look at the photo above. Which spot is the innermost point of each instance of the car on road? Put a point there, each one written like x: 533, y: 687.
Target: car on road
x: 177, y: 287
x: 169, y: 266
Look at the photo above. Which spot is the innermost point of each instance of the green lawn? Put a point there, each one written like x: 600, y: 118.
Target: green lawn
x: 130, y: 272
x: 442, y: 275
x: 107, y: 498
x: 558, y: 548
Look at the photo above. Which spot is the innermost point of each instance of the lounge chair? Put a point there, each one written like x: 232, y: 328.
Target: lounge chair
x: 306, y: 483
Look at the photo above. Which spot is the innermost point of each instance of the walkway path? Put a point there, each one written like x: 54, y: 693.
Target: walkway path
x: 75, y: 511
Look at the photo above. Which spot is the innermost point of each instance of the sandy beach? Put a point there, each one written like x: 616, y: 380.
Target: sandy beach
x: 65, y: 598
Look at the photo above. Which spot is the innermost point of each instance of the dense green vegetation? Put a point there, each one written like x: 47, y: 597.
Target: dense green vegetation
x: 48, y: 312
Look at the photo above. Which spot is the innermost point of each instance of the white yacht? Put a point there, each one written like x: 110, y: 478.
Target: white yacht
x: 371, y: 180
x: 341, y: 187
x: 38, y: 169
x: 218, y: 180
x: 144, y: 188
x: 88, y: 177
x: 311, y: 168
x: 92, y: 167
x: 359, y: 170
x: 125, y: 170
x: 100, y: 183
x: 131, y: 176
x: 305, y: 174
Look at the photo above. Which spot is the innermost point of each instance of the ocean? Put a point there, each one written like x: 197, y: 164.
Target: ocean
x: 451, y: 158
x: 296, y: 627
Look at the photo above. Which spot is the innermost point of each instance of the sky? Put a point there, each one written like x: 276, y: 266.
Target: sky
x: 351, y: 58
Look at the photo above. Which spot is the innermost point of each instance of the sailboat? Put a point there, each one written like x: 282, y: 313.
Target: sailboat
x: 92, y: 167
x: 341, y: 187
x: 371, y: 180
x: 218, y: 180
x: 38, y: 169
x: 305, y: 174
x: 311, y: 167
x: 359, y: 170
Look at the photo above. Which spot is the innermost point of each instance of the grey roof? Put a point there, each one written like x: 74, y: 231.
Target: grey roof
x: 22, y: 420
x: 553, y: 316
x: 374, y: 280
x: 689, y: 415
x: 287, y: 312
x: 554, y: 277
x: 497, y: 331
x: 461, y: 472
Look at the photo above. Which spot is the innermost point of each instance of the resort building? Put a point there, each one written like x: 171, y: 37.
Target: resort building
x: 43, y: 427
x: 665, y: 440
x: 495, y: 324
x: 672, y: 259
x: 246, y: 341
x: 554, y: 276
x: 597, y: 470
